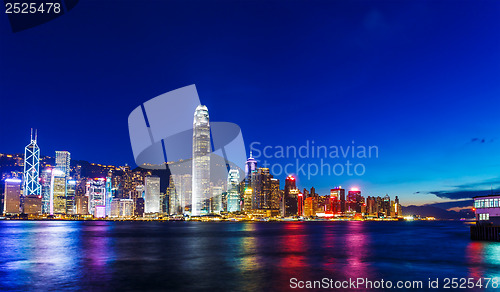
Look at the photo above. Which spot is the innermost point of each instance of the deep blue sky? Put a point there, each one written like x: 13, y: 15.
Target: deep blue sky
x: 418, y: 79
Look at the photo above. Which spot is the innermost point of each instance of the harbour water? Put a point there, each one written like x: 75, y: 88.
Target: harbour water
x: 234, y: 256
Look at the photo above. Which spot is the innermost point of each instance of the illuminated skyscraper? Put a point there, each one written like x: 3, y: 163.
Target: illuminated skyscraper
x: 63, y: 159
x: 12, y: 196
x: 181, y: 198
x: 96, y: 193
x: 70, y: 197
x: 45, y: 182
x: 261, y: 185
x: 250, y: 166
x: 58, y: 188
x: 201, y: 162
x: 300, y: 204
x: 290, y: 198
x: 233, y: 196
x: 31, y: 185
x: 276, y: 194
x: 152, y: 194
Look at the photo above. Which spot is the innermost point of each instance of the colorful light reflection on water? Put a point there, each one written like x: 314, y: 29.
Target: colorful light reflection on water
x: 66, y: 255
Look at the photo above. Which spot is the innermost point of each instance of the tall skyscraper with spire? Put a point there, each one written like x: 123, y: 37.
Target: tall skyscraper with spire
x: 201, y: 162
x: 31, y: 186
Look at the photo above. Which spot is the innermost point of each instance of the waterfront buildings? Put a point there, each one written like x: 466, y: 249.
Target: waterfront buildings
x: 12, y: 196
x: 31, y: 185
x: 96, y: 193
x: 32, y: 205
x: 58, y: 192
x: 152, y: 194
x: 487, y: 209
x: 290, y: 198
x: 63, y: 159
x: 233, y: 194
x: 201, y: 162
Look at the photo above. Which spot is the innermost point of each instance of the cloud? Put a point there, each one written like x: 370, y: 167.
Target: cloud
x: 462, y: 194
x: 470, y: 190
x: 482, y: 140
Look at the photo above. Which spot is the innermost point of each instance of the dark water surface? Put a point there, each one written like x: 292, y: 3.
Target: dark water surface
x: 187, y: 256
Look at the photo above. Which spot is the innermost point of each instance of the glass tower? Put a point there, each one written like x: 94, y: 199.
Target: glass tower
x: 201, y: 162
x: 31, y: 168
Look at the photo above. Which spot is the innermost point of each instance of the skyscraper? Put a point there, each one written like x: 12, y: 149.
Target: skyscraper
x: 63, y: 159
x: 46, y: 181
x: 96, y: 193
x: 290, y: 198
x: 261, y: 185
x: 58, y: 188
x: 250, y: 166
x: 152, y: 194
x: 233, y: 196
x: 12, y: 196
x: 70, y: 197
x: 31, y: 185
x: 276, y: 194
x: 201, y: 162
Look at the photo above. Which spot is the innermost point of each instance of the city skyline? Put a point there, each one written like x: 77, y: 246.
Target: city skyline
x: 363, y: 74
x: 259, y: 195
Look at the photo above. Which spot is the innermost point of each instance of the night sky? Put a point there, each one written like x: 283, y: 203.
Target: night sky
x: 418, y: 79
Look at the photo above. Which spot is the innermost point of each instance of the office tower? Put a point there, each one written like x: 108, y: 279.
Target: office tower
x: 32, y: 205
x: 152, y: 195
x: 174, y: 204
x: 139, y: 207
x: 109, y: 192
x: 45, y: 179
x: 233, y: 195
x: 216, y: 200
x: 300, y: 204
x: 63, y: 162
x: 261, y: 186
x: 201, y: 162
x: 247, y: 200
x: 342, y: 201
x: 337, y: 200
x: 352, y: 200
x: 371, y: 206
x: 289, y: 202
x: 70, y: 197
x: 397, y: 207
x: 96, y: 193
x: 12, y: 197
x: 31, y: 185
x: 81, y: 205
x: 387, y: 205
x: 275, y: 194
x: 250, y: 167
x: 182, y: 200
x: 115, y: 208
x: 313, y: 192
x: 126, y: 208
x: 58, y: 195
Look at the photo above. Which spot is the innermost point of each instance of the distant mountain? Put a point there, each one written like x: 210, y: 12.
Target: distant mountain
x: 437, y: 212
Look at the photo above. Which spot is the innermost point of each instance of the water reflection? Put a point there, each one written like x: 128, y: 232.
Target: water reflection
x: 357, y: 248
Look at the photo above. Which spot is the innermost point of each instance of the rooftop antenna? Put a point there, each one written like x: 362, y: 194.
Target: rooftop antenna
x: 36, y: 134
x: 31, y: 134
